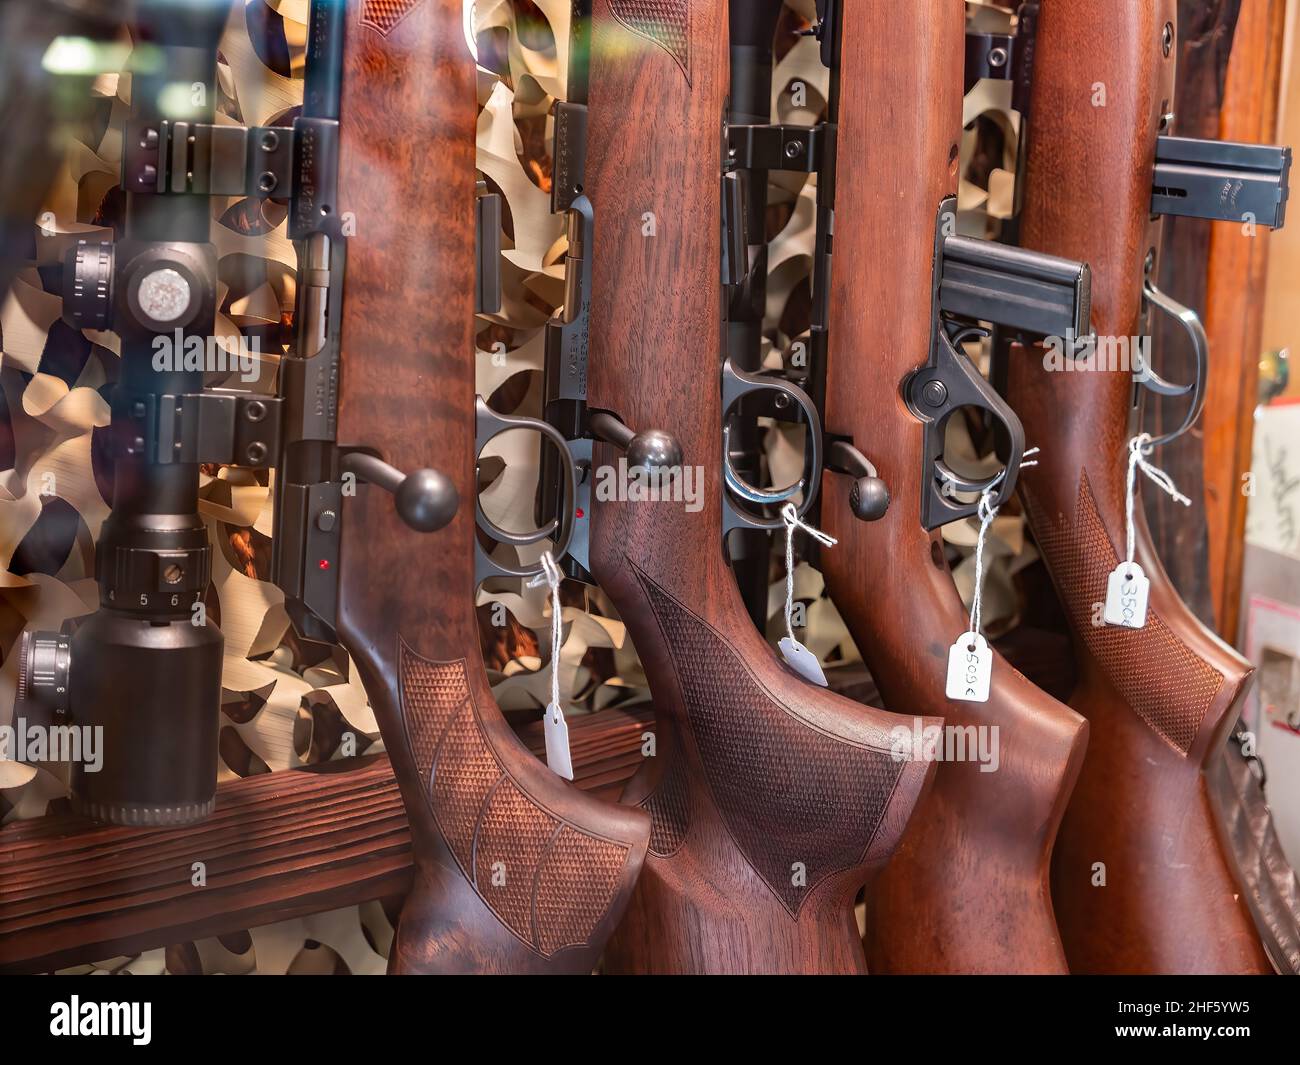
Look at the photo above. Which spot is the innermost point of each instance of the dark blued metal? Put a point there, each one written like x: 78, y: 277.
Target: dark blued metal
x: 202, y: 159
x: 751, y: 32
x: 487, y: 263
x: 736, y: 384
x: 869, y: 495
x: 984, y: 282
x: 559, y: 529
x: 1221, y: 180
x: 1190, y: 321
x: 214, y: 426
x: 1025, y: 291
x: 1006, y: 57
x: 569, y: 151
x: 305, y: 544
x: 775, y: 147
x: 88, y: 285
x: 567, y: 332
x: 44, y: 662
x: 564, y: 381
x: 569, y: 116
x: 144, y: 670
x: 425, y: 499
x: 735, y: 237
x: 651, y: 449
x: 826, y: 30
x: 988, y: 55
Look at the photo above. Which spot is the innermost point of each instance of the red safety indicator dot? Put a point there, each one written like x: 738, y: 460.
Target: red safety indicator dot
x: 324, y: 563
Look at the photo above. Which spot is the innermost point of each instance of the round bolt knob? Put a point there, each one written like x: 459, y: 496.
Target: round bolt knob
x: 869, y: 498
x: 44, y: 663
x: 426, y: 500
x: 654, y: 449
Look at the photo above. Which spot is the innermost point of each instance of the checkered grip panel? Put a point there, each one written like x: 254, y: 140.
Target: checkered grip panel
x: 383, y: 15
x: 665, y: 22
x: 547, y: 880
x: 1167, y: 685
x: 574, y: 886
x: 669, y: 806
x: 800, y: 804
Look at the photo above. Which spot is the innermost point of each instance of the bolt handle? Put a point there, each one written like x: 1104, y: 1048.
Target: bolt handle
x: 869, y: 495
x: 650, y: 449
x: 425, y: 499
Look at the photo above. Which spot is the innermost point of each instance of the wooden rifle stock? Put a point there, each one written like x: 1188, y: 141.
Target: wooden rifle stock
x: 771, y: 799
x: 1162, y: 698
x: 968, y: 890
x: 515, y: 870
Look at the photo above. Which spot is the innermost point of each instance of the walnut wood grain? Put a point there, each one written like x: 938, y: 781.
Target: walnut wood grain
x: 968, y: 891
x: 515, y: 870
x: 280, y: 845
x: 1159, y: 699
x: 755, y: 769
x: 1184, y: 538
x: 1234, y: 314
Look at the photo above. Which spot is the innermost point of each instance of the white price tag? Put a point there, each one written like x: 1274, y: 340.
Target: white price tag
x: 1127, y: 590
x: 802, y: 660
x: 556, y: 731
x: 970, y: 668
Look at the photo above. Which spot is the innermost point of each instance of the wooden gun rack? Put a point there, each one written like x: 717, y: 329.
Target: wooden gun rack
x: 279, y: 845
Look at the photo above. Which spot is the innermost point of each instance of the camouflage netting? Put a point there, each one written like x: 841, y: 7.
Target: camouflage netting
x: 288, y: 702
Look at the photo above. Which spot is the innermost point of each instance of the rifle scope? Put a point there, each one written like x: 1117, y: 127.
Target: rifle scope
x: 146, y: 666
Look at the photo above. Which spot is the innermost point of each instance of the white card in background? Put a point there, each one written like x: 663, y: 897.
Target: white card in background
x: 556, y: 731
x: 802, y: 660
x: 1127, y: 590
x: 970, y: 669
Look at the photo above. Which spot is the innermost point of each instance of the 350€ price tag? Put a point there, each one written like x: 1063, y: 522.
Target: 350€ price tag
x: 1127, y: 590
x: 970, y: 668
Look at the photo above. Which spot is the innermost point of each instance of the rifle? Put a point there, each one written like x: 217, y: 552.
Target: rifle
x: 968, y: 890
x: 515, y: 871
x: 1146, y: 878
x: 771, y: 800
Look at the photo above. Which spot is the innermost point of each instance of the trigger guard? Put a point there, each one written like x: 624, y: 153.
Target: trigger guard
x: 488, y: 425
x: 737, y: 384
x: 746, y: 491
x: 944, y: 474
x: 962, y: 386
x: 1190, y: 322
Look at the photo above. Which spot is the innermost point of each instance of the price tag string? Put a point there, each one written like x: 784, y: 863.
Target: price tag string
x: 792, y: 521
x: 555, y: 729
x: 987, y: 512
x: 970, y: 660
x: 1138, y: 448
x: 796, y: 655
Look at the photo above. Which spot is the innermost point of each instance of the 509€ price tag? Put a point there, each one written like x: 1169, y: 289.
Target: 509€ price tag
x: 970, y: 669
